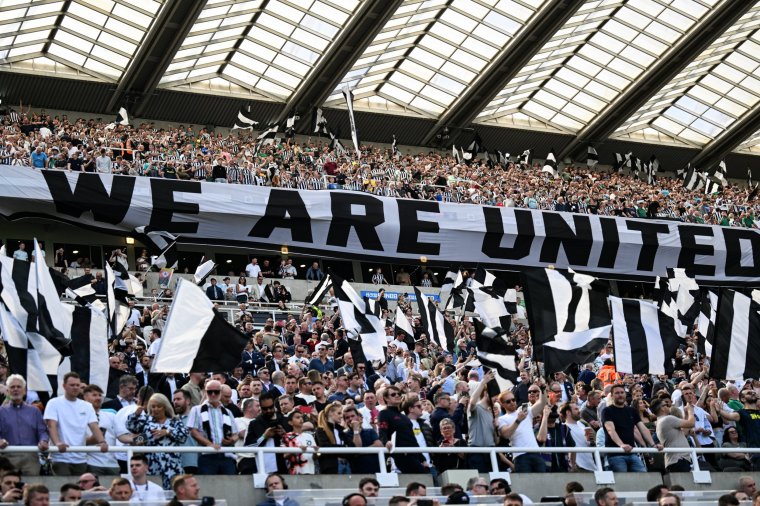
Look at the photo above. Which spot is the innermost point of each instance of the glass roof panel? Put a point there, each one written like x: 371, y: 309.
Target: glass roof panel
x: 279, y: 41
x: 716, y: 90
x: 96, y: 36
x: 601, y: 52
x: 453, y: 44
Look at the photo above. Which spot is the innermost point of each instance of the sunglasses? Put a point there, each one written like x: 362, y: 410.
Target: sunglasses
x: 393, y: 394
x: 213, y: 392
x: 509, y: 401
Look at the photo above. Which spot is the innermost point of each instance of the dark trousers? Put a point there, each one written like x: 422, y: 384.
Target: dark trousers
x: 530, y: 463
x: 410, y: 464
x: 681, y: 466
x: 216, y: 464
x: 479, y: 461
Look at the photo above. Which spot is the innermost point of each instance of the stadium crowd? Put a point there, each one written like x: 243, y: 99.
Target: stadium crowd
x: 184, y: 152
x: 297, y: 384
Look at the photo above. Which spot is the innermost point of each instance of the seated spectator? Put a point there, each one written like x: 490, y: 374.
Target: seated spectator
x: 36, y: 494
x: 275, y: 482
x: 369, y: 487
x: 11, y: 487
x: 605, y: 496
x: 70, y: 493
x: 185, y: 488
x: 121, y: 490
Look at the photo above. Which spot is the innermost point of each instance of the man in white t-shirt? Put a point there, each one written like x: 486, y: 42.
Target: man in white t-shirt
x: 253, y: 270
x: 517, y: 426
x: 143, y: 490
x: 582, y: 433
x: 68, y: 419
x: 102, y: 463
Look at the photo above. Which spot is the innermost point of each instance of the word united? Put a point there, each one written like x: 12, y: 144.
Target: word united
x: 357, y: 225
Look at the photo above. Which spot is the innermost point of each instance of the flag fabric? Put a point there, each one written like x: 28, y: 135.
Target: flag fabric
x: 736, y: 348
x: 503, y: 158
x: 713, y: 186
x: 161, y: 245
x: 23, y: 357
x: 592, y: 159
x: 456, y: 154
x: 434, y: 323
x: 651, y: 169
x: 244, y: 121
x: 449, y: 279
x: 681, y: 173
x: 753, y: 194
x: 358, y: 318
x: 566, y: 310
x: 117, y: 307
x: 524, y: 158
x: 203, y: 271
x: 401, y: 325
x: 54, y: 319
x: 267, y: 136
x: 550, y: 165
x: 348, y: 94
x: 394, y: 148
x: 643, y: 337
x: 290, y: 124
x: 708, y: 313
x: 749, y: 177
x: 319, y: 292
x: 336, y: 145
x: 122, y: 118
x: 678, y: 296
x: 496, y: 353
x: 89, y: 343
x: 493, y: 308
x: 197, y: 338
x: 475, y: 146
x: 79, y: 289
x: 356, y: 347
x: 459, y: 296
x: 320, y: 122
x: 693, y: 180
x: 619, y: 162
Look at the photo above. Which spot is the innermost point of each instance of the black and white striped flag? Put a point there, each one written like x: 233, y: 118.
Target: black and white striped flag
x: 203, y: 271
x: 651, y: 169
x: 244, y: 120
x: 434, y: 323
x: 475, y: 147
x: 320, y: 123
x: 348, y: 94
x: 122, y: 118
x: 14, y: 117
x: 358, y: 318
x: 89, y: 343
x: 23, y: 356
x: 678, y: 296
x: 749, y: 177
x: 681, y: 173
x: 336, y: 145
x: 503, y: 158
x: 197, y: 338
x: 644, y: 339
x: 319, y: 292
x: 550, y: 165
x: 736, y: 349
x: 79, y: 289
x: 161, y: 245
x: 401, y: 325
x: 693, y: 180
x: 567, y: 311
x: 116, y: 303
x: 708, y: 313
x: 290, y: 124
x: 455, y: 153
x: 54, y: 319
x: 394, y: 148
x: 592, y: 158
x: 494, y: 308
x: 524, y: 158
x: 496, y: 353
x: 266, y: 137
x: 619, y: 162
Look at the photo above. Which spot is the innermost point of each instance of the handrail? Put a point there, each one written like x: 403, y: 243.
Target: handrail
x: 602, y: 477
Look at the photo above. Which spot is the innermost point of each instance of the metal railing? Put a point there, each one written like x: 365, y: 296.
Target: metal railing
x: 602, y: 477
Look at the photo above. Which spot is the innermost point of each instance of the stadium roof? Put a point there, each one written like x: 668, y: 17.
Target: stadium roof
x: 681, y: 74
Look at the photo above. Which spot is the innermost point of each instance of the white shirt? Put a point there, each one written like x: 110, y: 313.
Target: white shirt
x: 72, y: 417
x: 582, y: 460
x: 523, y: 436
x: 252, y: 270
x: 150, y: 492
x: 106, y: 422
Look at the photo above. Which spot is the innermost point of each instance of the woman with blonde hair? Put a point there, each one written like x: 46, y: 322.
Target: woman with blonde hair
x: 329, y: 434
x: 160, y: 428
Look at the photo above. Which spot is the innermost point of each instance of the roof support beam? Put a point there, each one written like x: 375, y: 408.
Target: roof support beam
x: 718, y: 20
x: 512, y: 58
x: 715, y: 150
x: 369, y: 19
x: 169, y: 30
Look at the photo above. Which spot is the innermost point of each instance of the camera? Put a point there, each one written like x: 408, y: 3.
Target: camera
x: 139, y: 440
x: 208, y: 501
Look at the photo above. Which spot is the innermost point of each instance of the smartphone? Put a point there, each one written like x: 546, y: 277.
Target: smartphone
x: 424, y: 502
x: 525, y: 407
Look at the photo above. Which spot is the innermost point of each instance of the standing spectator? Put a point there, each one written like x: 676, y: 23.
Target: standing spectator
x: 299, y: 437
x: 22, y: 425
x: 582, y: 435
x: 619, y: 422
x: 68, y: 418
x: 749, y: 420
x: 160, y: 428
x: 212, y: 425
x: 214, y: 291
x: 670, y: 434
x: 102, y: 463
x: 330, y: 434
x: 20, y: 253
x: 443, y: 410
x: 267, y: 430
x: 314, y: 273
x: 253, y: 270
x: 392, y: 421
x: 359, y: 437
x: 39, y: 158
x: 103, y: 162
x: 516, y: 425
x: 182, y: 403
x: 481, y: 424
x: 445, y: 461
x: 378, y: 278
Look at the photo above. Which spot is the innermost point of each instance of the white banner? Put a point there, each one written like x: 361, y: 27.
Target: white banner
x: 357, y: 225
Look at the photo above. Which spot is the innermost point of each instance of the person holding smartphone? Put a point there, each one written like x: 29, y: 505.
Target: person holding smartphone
x: 513, y: 426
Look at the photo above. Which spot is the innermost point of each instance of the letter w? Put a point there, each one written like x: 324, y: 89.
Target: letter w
x: 90, y: 195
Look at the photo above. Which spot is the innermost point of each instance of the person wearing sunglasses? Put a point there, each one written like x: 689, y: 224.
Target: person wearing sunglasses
x: 212, y: 425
